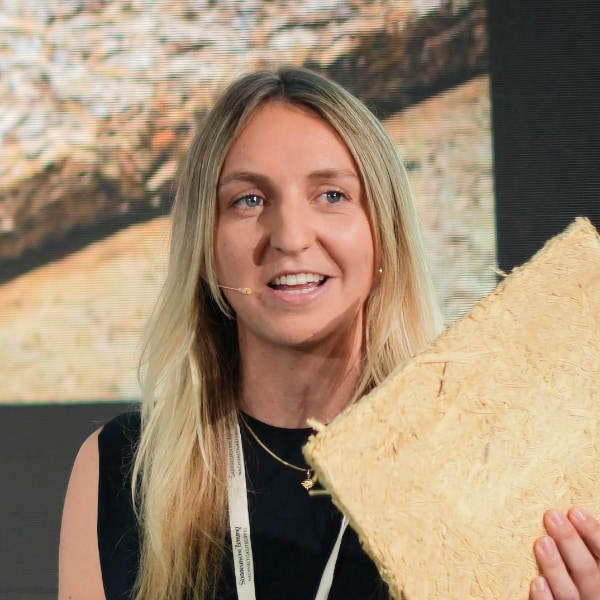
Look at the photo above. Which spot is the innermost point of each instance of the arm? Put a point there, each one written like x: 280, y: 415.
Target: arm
x: 79, y: 575
x: 568, y: 557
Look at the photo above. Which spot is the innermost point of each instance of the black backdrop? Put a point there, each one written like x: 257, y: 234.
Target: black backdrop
x: 545, y: 64
x: 545, y: 67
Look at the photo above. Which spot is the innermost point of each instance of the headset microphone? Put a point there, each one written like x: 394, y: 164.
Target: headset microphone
x: 246, y: 291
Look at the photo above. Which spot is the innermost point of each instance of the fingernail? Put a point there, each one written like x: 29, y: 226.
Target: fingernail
x: 539, y: 585
x: 557, y: 517
x: 579, y: 514
x: 547, y: 546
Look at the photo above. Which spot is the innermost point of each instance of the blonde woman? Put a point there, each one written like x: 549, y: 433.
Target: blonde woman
x: 296, y: 283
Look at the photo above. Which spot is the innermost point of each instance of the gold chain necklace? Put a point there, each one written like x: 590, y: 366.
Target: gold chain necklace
x: 308, y: 481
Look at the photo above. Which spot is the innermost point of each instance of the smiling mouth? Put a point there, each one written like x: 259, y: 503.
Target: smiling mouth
x: 300, y: 283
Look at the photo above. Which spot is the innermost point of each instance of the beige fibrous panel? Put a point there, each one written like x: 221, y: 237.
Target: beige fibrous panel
x: 446, y: 468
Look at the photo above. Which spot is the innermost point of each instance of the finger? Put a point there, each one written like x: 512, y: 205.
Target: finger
x: 588, y: 528
x: 539, y: 590
x: 554, y: 570
x: 578, y: 559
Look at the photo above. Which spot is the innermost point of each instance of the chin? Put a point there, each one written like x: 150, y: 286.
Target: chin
x: 309, y: 341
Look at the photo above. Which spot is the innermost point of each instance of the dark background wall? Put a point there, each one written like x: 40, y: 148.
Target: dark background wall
x: 545, y: 64
x: 38, y: 445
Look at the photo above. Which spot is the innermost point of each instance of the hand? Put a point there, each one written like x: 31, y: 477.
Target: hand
x: 568, y: 557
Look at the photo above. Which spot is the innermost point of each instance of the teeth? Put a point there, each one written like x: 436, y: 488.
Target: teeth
x: 299, y: 279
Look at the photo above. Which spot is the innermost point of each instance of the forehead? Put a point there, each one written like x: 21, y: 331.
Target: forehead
x: 281, y: 132
x: 276, y: 111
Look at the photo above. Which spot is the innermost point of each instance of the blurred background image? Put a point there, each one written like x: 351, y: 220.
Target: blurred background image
x: 98, y: 101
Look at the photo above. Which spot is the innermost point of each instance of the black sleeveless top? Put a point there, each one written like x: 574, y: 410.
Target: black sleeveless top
x: 292, y: 533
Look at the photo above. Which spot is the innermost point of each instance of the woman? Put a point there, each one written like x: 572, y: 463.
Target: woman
x: 296, y: 283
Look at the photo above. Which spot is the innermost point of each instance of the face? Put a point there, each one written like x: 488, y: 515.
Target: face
x: 293, y: 227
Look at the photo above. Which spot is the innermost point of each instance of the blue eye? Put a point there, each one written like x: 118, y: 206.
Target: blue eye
x: 333, y: 197
x: 250, y: 201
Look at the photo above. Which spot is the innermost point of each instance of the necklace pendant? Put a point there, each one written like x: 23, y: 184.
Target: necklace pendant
x: 308, y: 483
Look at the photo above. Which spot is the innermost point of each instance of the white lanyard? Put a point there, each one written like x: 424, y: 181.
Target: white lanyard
x: 239, y: 524
x: 239, y: 520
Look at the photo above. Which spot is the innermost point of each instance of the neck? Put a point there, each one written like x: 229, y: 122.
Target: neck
x: 286, y: 387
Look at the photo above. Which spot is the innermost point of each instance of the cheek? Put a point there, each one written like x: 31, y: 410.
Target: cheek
x: 235, y: 246
x: 361, y: 243
x: 225, y: 252
x: 357, y: 255
x: 224, y: 260
x: 365, y: 256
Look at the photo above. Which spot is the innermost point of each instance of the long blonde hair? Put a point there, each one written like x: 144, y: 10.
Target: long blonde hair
x: 190, y: 363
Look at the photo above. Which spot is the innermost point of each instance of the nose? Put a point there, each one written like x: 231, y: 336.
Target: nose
x: 291, y: 230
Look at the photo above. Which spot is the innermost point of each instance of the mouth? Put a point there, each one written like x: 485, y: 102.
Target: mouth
x: 298, y: 283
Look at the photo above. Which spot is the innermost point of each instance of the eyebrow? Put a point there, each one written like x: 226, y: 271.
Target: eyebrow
x: 263, y: 180
x: 243, y: 176
x: 332, y: 173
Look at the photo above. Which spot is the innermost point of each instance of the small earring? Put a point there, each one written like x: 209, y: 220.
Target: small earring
x: 380, y: 270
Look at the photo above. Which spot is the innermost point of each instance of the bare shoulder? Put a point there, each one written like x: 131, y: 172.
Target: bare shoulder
x: 79, y: 562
